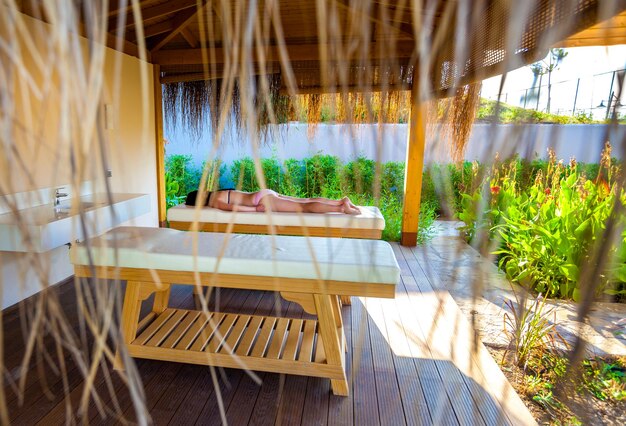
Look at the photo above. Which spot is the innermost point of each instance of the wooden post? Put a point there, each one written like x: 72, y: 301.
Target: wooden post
x: 160, y: 142
x: 414, y: 167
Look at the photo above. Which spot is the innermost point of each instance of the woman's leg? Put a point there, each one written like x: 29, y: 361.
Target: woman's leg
x: 320, y: 200
x: 283, y: 204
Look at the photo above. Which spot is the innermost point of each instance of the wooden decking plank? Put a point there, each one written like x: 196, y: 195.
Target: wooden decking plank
x: 33, y: 411
x: 315, y: 410
x: 266, y: 406
x: 241, y: 409
x: 431, y: 381
x: 341, y: 408
x: 118, y: 397
x: 229, y: 380
x: 155, y: 382
x: 478, y: 358
x: 162, y: 412
x: 483, y: 392
x: 411, y: 394
x: 390, y: 407
x: 440, y: 321
x: 291, y: 400
x: 270, y: 401
x: 364, y: 383
x: 201, y: 391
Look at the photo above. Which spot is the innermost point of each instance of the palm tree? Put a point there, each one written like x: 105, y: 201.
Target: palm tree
x: 541, y: 68
x: 556, y: 56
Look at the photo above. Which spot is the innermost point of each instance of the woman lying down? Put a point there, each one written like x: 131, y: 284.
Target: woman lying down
x: 233, y: 200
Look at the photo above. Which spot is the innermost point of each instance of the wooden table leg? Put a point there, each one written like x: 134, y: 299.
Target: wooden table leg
x: 336, y: 302
x: 161, y: 299
x: 331, y: 339
x: 137, y: 292
x: 345, y: 300
x: 130, y: 317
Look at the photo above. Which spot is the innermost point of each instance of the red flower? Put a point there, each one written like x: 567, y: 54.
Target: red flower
x: 495, y: 190
x: 547, y: 191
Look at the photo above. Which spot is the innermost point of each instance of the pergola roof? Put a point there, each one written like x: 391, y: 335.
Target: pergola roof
x: 460, y: 42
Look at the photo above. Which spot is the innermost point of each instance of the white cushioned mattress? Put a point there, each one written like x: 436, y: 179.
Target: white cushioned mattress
x: 340, y: 259
x: 370, y: 218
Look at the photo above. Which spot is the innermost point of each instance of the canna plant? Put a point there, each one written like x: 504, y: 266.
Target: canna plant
x: 547, y: 230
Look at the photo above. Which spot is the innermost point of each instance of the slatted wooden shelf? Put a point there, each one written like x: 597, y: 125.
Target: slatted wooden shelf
x: 261, y: 343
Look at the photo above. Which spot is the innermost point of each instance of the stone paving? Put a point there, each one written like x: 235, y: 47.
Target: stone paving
x: 460, y: 267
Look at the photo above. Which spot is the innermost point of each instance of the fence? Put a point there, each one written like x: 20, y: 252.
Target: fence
x: 595, y: 96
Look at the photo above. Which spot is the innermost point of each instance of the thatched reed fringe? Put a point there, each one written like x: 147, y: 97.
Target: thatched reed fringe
x: 192, y: 105
x: 195, y: 105
x: 463, y: 111
x: 455, y: 116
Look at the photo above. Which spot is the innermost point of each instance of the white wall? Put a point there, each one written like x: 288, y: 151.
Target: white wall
x: 36, y: 155
x: 347, y: 142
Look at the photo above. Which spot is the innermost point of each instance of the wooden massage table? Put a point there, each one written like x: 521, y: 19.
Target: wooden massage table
x: 152, y: 259
x: 369, y: 224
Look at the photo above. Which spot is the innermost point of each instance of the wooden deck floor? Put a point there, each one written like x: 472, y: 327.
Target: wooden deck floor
x: 410, y: 362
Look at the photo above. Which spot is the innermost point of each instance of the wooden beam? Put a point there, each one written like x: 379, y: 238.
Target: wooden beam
x: 157, y: 11
x: 127, y: 47
x: 586, y: 42
x: 200, y: 76
x: 159, y: 143
x: 605, y: 33
x: 189, y: 37
x: 402, y: 27
x: 156, y: 29
x: 180, y: 21
x: 414, y: 166
x: 320, y: 90
x: 302, y: 52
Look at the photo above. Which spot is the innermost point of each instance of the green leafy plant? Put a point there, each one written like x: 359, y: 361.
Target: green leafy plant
x: 172, y: 197
x: 181, y: 177
x: 547, y: 218
x: 605, y: 380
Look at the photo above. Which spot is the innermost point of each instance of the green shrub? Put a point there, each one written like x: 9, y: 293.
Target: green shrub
x: 181, y: 177
x: 358, y: 176
x: 243, y: 174
x: 392, y: 179
x: 322, y: 176
x: 548, y: 228
x: 293, y: 183
x: 183, y: 172
x: 216, y: 169
x: 273, y: 172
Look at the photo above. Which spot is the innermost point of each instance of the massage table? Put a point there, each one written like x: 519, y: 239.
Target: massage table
x: 310, y: 271
x: 369, y: 224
